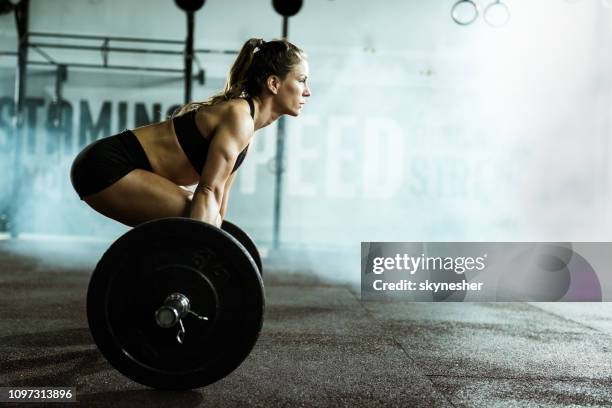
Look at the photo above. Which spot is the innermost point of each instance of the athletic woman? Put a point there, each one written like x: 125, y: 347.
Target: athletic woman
x: 136, y: 176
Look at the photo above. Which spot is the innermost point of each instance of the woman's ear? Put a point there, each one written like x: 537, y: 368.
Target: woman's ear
x: 273, y: 83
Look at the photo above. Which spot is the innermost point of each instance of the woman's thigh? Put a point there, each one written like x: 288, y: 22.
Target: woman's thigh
x: 141, y: 196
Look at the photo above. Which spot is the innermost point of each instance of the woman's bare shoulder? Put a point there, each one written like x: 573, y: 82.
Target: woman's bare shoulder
x: 234, y: 114
x: 239, y: 106
x: 236, y: 106
x: 237, y: 112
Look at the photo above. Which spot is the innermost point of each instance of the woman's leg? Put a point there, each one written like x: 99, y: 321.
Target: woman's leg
x: 141, y: 196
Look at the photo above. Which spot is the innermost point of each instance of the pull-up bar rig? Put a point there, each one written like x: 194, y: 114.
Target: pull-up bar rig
x: 35, y: 40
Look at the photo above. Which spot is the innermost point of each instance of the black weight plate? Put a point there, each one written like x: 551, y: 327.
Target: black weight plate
x: 150, y: 262
x: 245, y: 240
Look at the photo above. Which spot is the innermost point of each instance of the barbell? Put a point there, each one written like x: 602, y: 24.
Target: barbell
x: 177, y: 303
x: 246, y: 242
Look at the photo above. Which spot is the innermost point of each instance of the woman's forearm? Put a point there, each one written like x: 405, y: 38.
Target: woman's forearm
x: 205, y: 207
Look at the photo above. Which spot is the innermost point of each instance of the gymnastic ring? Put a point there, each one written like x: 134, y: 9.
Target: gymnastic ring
x: 456, y: 18
x: 488, y: 8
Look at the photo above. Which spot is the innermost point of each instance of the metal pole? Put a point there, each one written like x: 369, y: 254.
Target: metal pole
x: 280, y: 164
x: 179, y: 71
x: 122, y: 39
x: 101, y: 37
x: 105, y: 48
x: 21, y: 20
x: 189, y: 55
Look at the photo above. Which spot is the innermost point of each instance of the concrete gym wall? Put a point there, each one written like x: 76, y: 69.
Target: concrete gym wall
x: 417, y: 129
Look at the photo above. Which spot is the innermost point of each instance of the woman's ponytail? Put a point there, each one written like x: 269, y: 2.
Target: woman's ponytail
x: 236, y: 78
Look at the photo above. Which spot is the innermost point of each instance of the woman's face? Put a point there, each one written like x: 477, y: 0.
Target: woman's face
x: 294, y: 89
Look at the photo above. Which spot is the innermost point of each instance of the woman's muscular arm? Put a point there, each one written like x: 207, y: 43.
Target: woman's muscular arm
x: 232, y: 136
x: 226, y: 192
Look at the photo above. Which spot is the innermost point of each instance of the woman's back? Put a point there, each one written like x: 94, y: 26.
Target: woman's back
x: 162, y: 147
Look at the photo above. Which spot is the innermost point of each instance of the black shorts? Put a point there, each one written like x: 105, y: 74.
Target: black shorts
x: 105, y: 161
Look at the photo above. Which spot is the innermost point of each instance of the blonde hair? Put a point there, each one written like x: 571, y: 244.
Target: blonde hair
x: 256, y: 61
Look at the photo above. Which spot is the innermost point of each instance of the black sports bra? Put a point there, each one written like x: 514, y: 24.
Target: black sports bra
x: 194, y: 144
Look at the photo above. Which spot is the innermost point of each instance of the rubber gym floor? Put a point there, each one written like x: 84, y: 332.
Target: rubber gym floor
x: 320, y: 345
